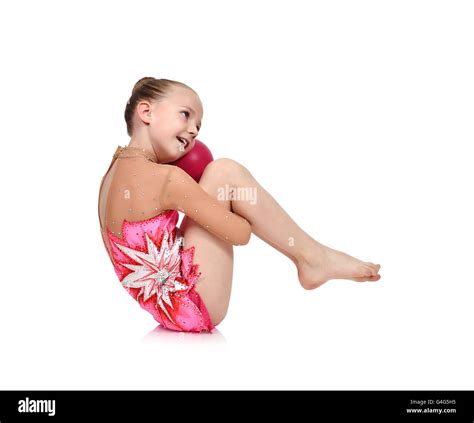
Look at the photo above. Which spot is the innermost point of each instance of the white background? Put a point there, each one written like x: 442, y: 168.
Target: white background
x: 356, y: 116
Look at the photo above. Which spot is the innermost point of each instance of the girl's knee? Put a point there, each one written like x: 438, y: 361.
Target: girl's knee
x: 224, y: 168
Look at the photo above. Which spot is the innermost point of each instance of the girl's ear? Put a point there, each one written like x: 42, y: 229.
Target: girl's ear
x: 144, y: 111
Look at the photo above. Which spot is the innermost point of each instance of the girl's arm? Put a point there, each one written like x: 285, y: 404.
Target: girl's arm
x: 181, y: 192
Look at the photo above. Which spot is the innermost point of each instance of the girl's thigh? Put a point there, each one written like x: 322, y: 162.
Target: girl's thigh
x: 214, y: 257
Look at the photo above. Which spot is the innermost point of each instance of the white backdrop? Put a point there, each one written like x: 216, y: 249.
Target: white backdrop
x: 356, y: 116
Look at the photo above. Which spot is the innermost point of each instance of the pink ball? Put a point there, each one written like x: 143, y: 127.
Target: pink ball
x: 195, y: 161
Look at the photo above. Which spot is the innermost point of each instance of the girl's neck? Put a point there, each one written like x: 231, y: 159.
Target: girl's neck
x: 142, y: 144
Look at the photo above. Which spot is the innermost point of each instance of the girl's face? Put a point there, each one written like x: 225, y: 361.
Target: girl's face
x: 178, y: 115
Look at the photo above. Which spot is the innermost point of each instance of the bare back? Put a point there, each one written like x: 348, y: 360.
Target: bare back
x: 130, y: 190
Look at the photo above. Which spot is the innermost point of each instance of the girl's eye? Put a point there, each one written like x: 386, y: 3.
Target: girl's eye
x: 189, y: 114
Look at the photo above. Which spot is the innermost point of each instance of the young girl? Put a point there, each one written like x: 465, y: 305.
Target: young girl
x: 183, y: 275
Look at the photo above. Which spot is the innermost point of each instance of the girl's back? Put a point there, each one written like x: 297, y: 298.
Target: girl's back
x: 132, y: 190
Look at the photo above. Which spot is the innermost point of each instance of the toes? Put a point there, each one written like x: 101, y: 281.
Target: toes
x: 375, y: 267
x: 369, y: 271
x: 374, y: 278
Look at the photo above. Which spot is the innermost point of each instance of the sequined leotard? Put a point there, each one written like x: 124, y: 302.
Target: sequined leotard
x: 139, y: 201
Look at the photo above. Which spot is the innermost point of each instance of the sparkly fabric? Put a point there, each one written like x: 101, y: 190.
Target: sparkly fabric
x: 154, y: 268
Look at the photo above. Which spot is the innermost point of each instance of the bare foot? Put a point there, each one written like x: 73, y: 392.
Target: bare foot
x: 325, y: 264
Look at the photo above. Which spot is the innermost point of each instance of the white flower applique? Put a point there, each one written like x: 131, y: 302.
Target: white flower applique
x: 156, y: 271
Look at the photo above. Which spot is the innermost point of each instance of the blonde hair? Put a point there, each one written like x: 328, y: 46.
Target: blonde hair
x: 148, y: 88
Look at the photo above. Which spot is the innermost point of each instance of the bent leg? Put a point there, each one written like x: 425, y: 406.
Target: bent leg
x: 316, y: 263
x: 214, y: 256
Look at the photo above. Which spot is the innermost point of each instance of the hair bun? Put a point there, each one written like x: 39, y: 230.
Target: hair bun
x: 141, y: 82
